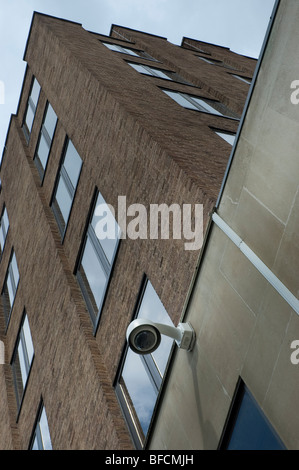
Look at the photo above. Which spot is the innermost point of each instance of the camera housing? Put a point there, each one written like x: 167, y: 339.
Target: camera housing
x: 144, y: 336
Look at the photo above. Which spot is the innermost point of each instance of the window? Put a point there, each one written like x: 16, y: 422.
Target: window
x: 140, y: 377
x: 45, y: 139
x: 4, y: 224
x: 66, y: 185
x: 41, y: 438
x: 10, y: 287
x: 200, y: 104
x: 126, y: 50
x: 31, y: 108
x: 97, y: 258
x: 210, y: 61
x: 22, y: 359
x: 248, y: 428
x: 145, y: 69
x: 229, y: 137
x: 243, y: 79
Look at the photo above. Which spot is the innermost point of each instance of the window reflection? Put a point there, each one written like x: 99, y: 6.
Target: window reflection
x: 248, y: 427
x: 10, y: 287
x: 141, y: 377
x: 66, y: 186
x: 45, y: 139
x: 31, y: 108
x: 41, y: 438
x: 22, y: 360
x: 97, y: 257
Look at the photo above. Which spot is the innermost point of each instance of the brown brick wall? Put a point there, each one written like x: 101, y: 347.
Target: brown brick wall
x: 134, y: 141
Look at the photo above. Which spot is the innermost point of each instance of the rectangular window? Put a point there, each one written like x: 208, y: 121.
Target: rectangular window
x: 145, y: 69
x: 97, y: 257
x: 41, y: 438
x: 126, y: 50
x: 66, y: 185
x: 45, y: 139
x: 10, y: 287
x: 201, y: 104
x: 243, y: 79
x: 140, y: 377
x: 210, y: 60
x: 229, y: 137
x: 4, y: 225
x: 248, y: 427
x: 31, y: 108
x: 22, y: 359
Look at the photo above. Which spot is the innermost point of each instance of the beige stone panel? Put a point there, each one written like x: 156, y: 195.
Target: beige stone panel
x: 282, y: 399
x: 243, y: 277
x: 258, y: 227
x: 194, y: 407
x: 286, y: 266
x: 266, y: 341
x: 226, y: 332
x: 236, y: 178
x: 197, y: 309
x: 273, y: 173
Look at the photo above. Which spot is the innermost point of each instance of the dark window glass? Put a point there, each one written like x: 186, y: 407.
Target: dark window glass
x: 248, y: 427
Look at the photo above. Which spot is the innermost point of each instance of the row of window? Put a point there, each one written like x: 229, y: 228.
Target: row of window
x: 21, y: 365
x: 139, y: 379
x: 183, y: 99
x: 23, y: 354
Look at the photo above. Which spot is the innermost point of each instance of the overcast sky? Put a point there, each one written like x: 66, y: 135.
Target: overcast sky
x: 238, y: 24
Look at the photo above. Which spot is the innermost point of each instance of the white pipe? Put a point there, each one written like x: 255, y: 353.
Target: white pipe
x: 258, y: 263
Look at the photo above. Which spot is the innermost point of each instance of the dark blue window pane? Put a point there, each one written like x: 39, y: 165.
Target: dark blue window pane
x: 252, y: 431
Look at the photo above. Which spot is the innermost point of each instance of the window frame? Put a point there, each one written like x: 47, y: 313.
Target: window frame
x: 63, y: 174
x: 107, y: 267
x: 3, y: 229
x: 30, y: 103
x: 200, y: 108
x: 48, y: 140
x: 14, y: 285
x: 123, y: 50
x: 219, y: 132
x: 21, y: 339
x: 154, y: 376
x: 240, y: 392
x: 37, y: 432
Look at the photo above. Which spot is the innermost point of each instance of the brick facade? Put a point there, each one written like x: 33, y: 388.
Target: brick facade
x: 134, y: 141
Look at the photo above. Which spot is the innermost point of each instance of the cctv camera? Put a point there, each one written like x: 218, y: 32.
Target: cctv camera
x: 144, y: 336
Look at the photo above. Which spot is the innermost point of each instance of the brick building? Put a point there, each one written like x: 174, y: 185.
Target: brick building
x: 99, y: 117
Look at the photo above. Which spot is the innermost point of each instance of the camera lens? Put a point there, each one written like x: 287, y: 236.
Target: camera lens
x: 145, y: 340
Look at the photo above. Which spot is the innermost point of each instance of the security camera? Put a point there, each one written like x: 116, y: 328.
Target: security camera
x: 144, y: 336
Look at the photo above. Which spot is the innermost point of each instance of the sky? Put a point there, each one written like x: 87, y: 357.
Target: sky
x: 240, y: 25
